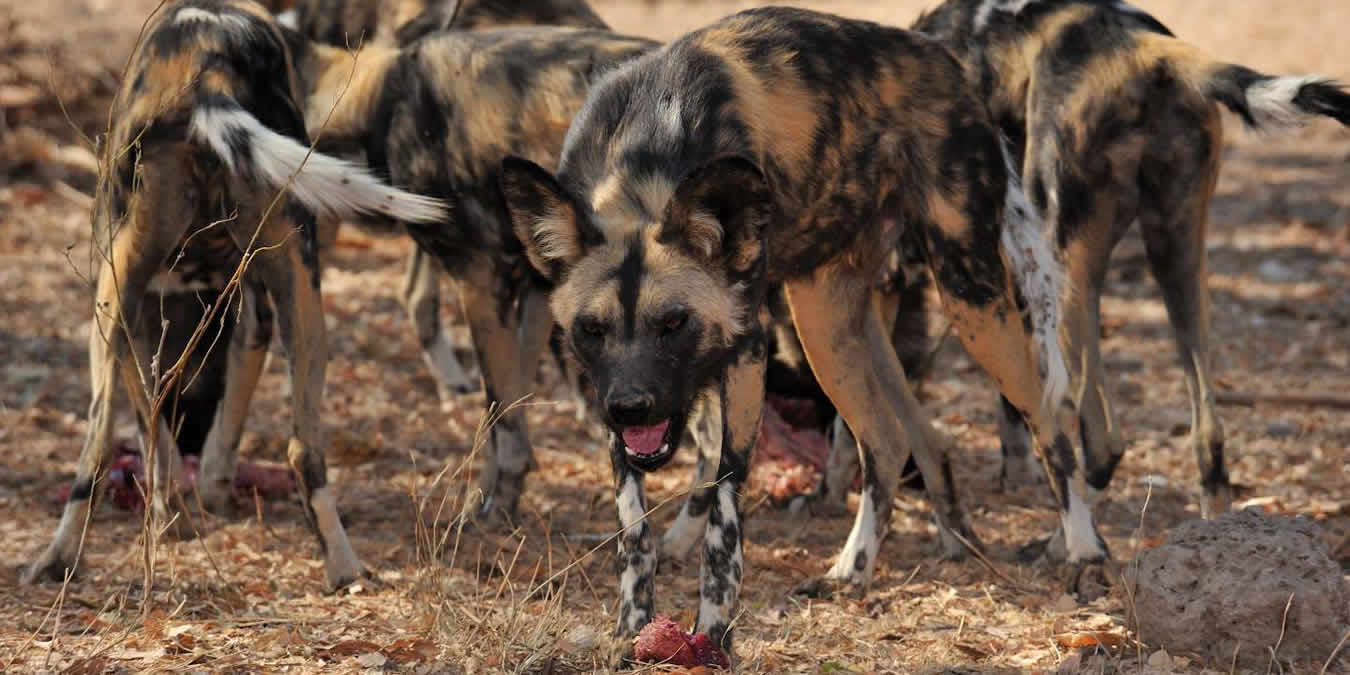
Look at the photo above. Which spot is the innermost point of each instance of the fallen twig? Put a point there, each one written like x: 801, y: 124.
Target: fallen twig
x: 979, y: 556
x: 1315, y: 400
x: 1337, y: 650
x: 1284, y: 621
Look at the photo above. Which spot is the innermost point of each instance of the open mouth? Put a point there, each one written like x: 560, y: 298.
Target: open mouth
x: 648, y: 447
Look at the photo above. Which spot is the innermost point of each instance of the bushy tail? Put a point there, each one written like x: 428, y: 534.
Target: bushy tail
x: 1040, y: 278
x: 1264, y: 102
x: 326, y: 185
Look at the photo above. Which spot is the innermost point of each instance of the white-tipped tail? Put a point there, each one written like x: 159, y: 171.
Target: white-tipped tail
x: 327, y: 185
x: 1271, y: 102
x: 1041, y: 279
x: 289, y: 19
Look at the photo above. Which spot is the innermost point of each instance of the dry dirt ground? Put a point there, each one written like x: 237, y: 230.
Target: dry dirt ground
x: 249, y: 594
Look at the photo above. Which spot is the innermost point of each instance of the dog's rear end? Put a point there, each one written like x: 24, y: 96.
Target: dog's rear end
x: 207, y: 166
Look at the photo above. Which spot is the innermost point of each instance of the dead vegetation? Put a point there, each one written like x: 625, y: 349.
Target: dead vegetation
x: 247, y: 595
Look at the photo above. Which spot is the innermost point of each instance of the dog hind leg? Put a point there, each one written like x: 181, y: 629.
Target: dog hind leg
x: 849, y: 349
x: 138, y: 247
x: 421, y: 297
x: 246, y: 358
x: 1174, y: 238
x: 286, y: 263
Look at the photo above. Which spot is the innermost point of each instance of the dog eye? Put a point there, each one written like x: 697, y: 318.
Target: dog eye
x: 593, y: 327
x: 673, y: 322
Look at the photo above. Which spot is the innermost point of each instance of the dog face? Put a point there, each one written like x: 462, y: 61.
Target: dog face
x: 650, y: 307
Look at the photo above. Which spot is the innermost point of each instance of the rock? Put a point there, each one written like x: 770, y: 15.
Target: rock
x: 1160, y: 661
x: 1220, y: 585
x: 1274, y: 270
x: 1281, y: 430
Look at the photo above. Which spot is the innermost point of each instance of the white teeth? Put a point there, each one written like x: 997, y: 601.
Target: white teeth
x: 665, y: 447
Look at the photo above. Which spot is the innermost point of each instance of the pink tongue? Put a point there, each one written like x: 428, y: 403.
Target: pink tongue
x: 645, y: 440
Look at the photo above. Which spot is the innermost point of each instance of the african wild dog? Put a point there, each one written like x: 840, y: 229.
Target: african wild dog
x: 783, y: 146
x: 1114, y: 120
x: 322, y: 20
x: 203, y: 163
x: 436, y: 118
x: 345, y: 23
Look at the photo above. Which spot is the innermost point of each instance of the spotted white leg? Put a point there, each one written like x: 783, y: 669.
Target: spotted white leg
x: 723, y: 566
x: 742, y: 405
x: 637, y: 556
x: 864, y: 542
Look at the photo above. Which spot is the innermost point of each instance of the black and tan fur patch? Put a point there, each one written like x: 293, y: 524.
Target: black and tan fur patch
x: 400, y: 22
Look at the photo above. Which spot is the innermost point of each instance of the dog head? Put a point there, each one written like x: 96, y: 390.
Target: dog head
x: 650, y: 306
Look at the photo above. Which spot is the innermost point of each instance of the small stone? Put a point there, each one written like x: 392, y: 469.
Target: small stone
x: 1065, y: 603
x: 1125, y: 365
x: 1160, y: 660
x: 1282, y: 430
x: 1155, y: 481
x: 1071, y: 665
x: 1276, y: 271
x: 580, y: 639
x: 372, y: 660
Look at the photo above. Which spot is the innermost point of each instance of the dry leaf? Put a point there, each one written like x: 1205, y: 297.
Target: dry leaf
x: 136, y: 654
x: 16, y: 96
x: 1152, y: 542
x: 409, y: 650
x: 1088, y: 639
x: 1065, y: 603
x: 972, y: 649
x: 372, y: 660
x: 154, y: 625
x: 351, y: 648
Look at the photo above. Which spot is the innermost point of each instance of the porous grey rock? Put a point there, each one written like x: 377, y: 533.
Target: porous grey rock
x: 1221, y: 585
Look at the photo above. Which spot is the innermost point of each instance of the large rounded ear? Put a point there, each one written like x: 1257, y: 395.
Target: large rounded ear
x: 719, y: 213
x: 543, y: 217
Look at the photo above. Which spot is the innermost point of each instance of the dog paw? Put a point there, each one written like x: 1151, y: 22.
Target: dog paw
x: 1047, y: 551
x: 621, y: 653
x: 362, y: 580
x: 1088, y: 580
x: 50, y: 567
x: 175, y: 524
x: 826, y: 587
x: 956, y: 542
x: 816, y: 506
x: 218, y: 500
